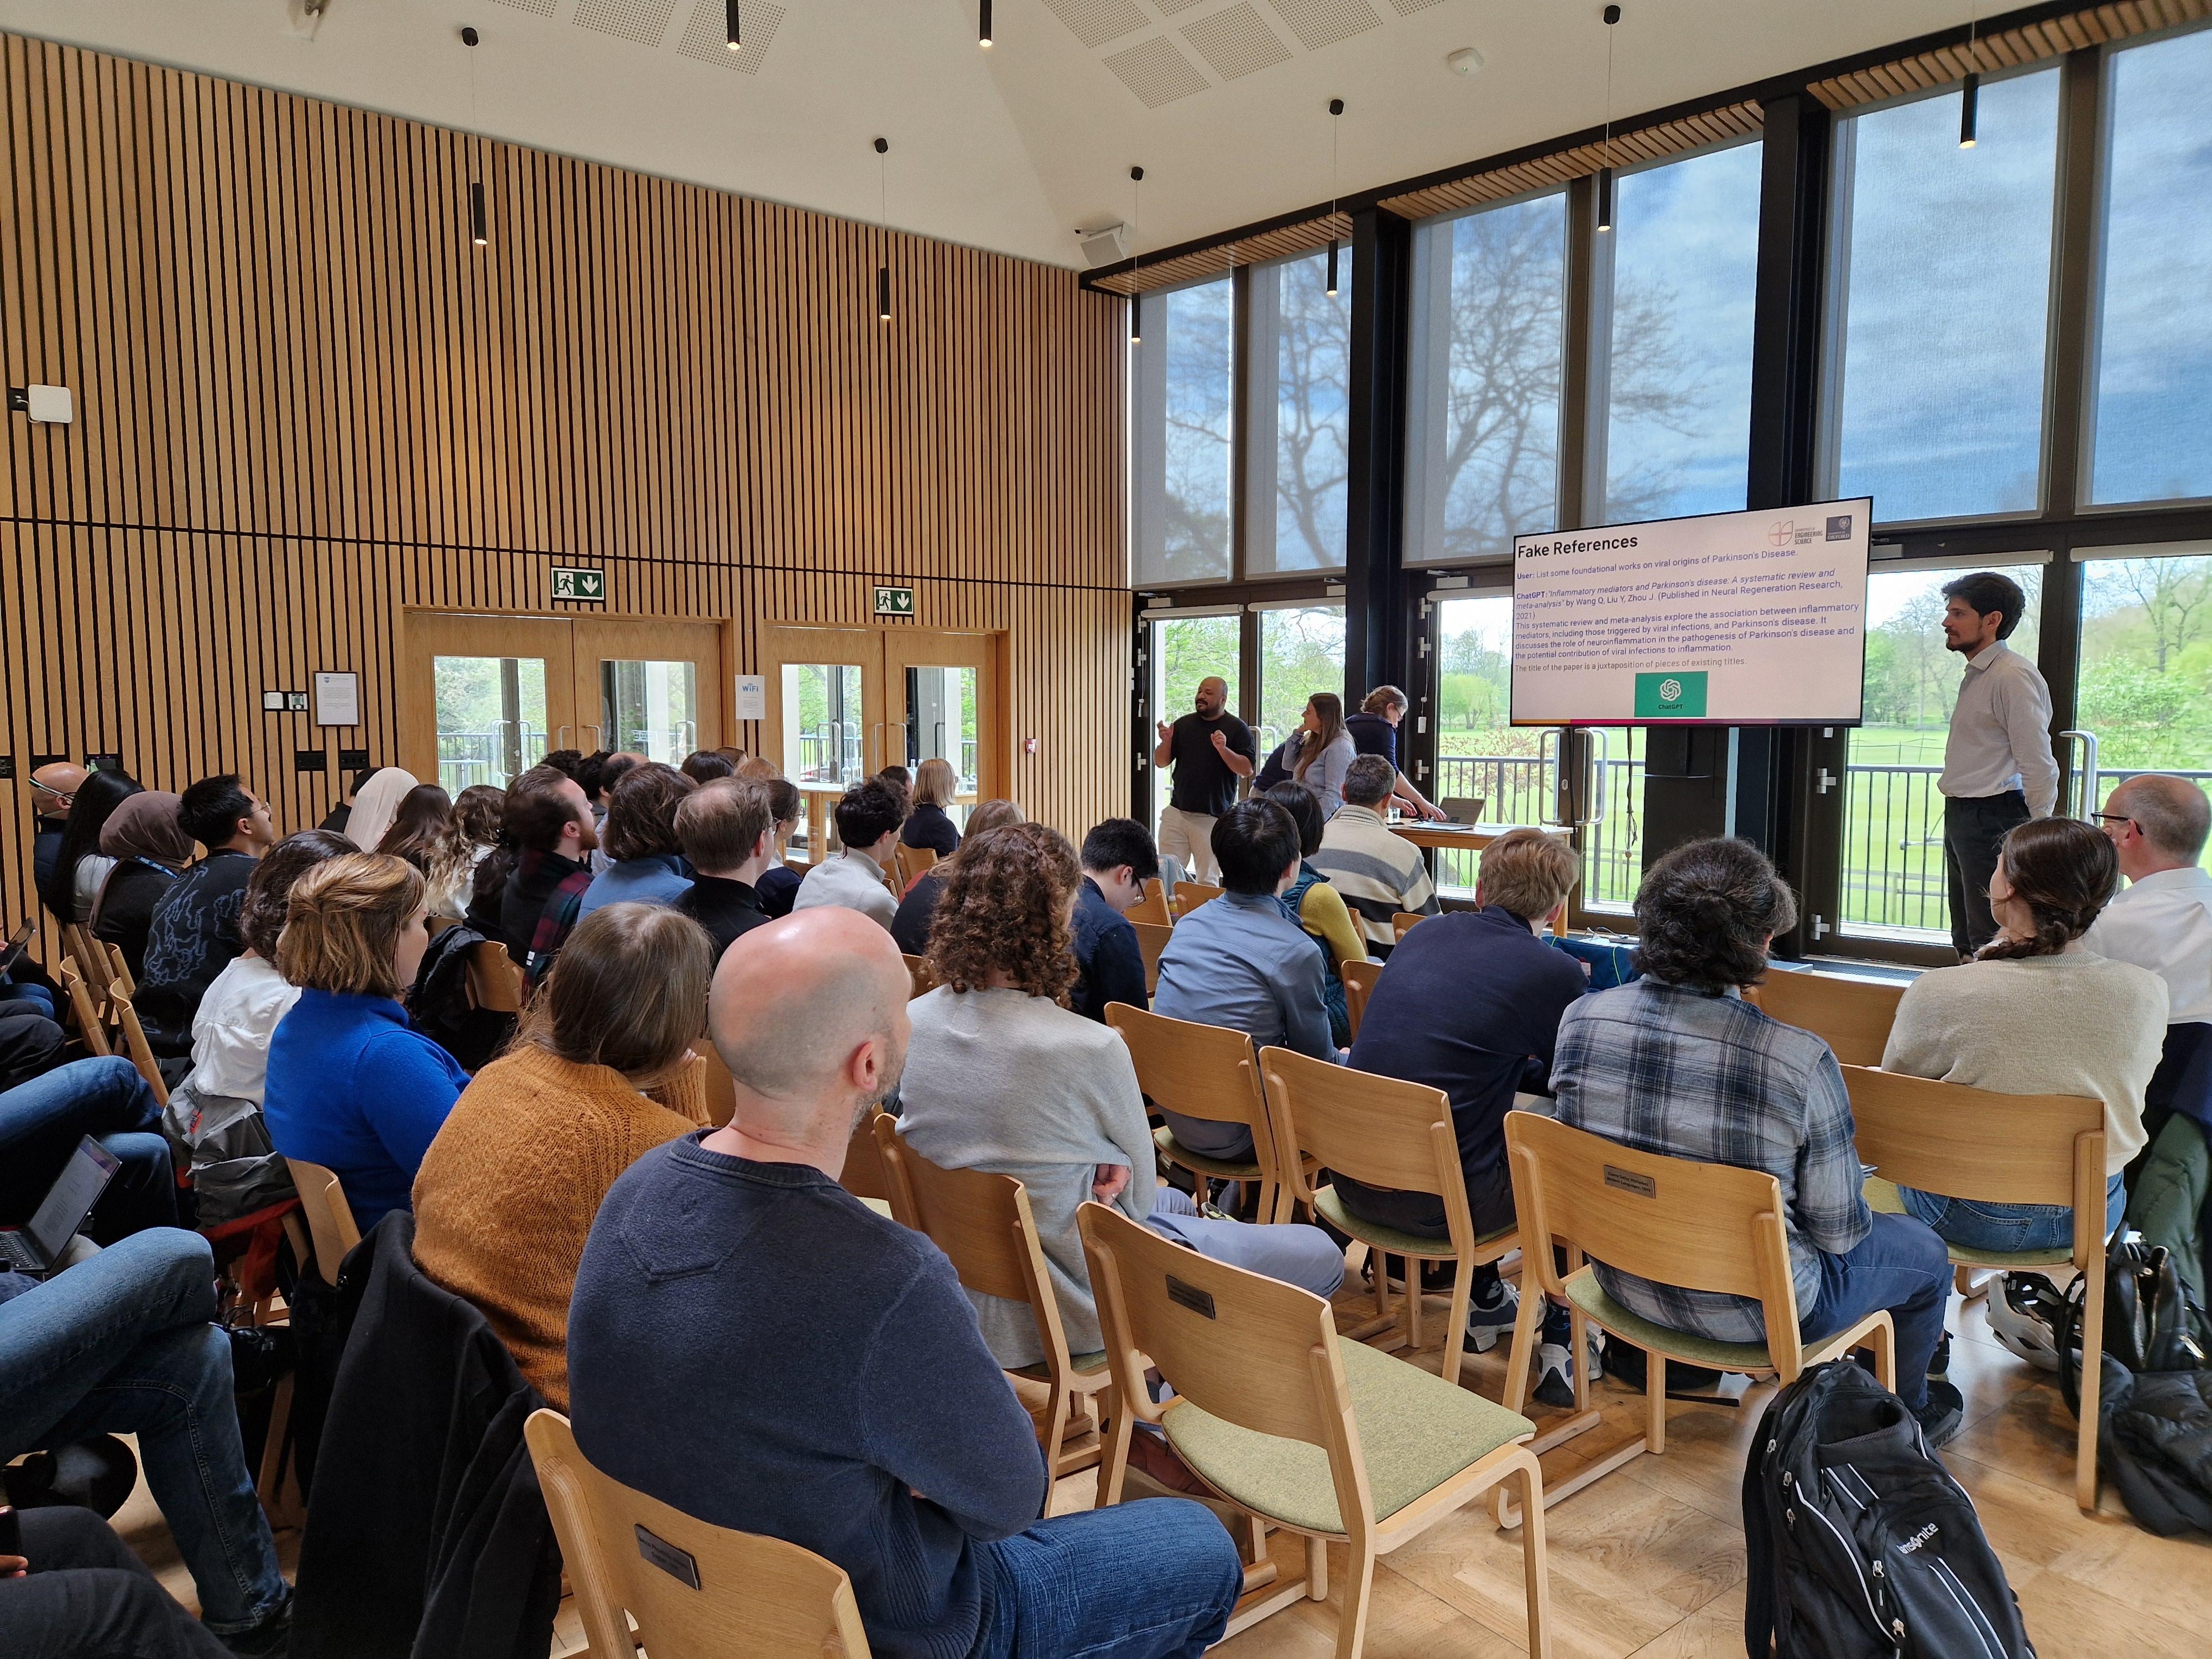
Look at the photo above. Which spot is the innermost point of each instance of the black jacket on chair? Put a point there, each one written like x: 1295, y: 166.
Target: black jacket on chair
x: 427, y: 1536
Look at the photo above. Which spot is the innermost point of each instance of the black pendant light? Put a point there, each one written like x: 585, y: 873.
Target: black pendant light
x: 479, y: 220
x: 732, y: 25
x: 1137, y: 298
x: 982, y: 24
x: 1969, y: 93
x: 1336, y: 110
x: 1612, y: 15
x: 883, y: 228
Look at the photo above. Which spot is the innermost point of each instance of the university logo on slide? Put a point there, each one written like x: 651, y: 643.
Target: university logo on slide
x: 1670, y: 696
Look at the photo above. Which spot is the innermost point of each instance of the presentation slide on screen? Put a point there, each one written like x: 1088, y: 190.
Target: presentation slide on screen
x: 1732, y: 618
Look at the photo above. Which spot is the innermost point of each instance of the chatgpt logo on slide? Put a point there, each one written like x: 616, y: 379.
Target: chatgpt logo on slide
x: 1670, y: 696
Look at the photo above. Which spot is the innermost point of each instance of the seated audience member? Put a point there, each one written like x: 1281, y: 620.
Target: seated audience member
x: 550, y: 824
x: 727, y: 831
x: 1376, y: 873
x: 1118, y: 860
x: 80, y: 868
x: 1470, y: 1004
x: 2037, y: 1014
x: 1318, y: 905
x: 53, y: 792
x: 32, y: 1041
x: 41, y: 1122
x: 857, y: 1411
x: 195, y: 932
x: 705, y: 766
x: 376, y: 806
x: 351, y: 1084
x: 125, y: 1343
x: 76, y: 1589
x: 1243, y: 961
x: 900, y: 777
x: 927, y: 825
x: 910, y: 926
x: 478, y: 811
x: 611, y: 772
x: 1001, y: 1076
x: 601, y: 1072
x: 1374, y: 731
x: 2163, y: 921
x: 341, y: 814
x: 1324, y: 751
x: 1679, y: 1064
x: 568, y: 762
x: 425, y: 833
x: 779, y: 883
x: 645, y: 860
x: 148, y: 847
x: 758, y: 768
x: 869, y: 815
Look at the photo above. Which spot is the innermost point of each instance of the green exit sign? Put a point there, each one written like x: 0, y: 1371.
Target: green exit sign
x: 895, y: 602
x: 580, y: 586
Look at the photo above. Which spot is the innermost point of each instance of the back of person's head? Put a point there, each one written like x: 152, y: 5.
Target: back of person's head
x: 210, y: 809
x: 792, y: 1003
x: 1381, y: 699
x: 1368, y: 781
x: 147, y: 826
x: 1304, y: 808
x: 705, y: 765
x: 759, y: 767
x: 269, y: 891
x: 2172, y: 814
x: 539, y: 807
x: 1255, y: 842
x: 731, y: 753
x: 423, y: 826
x: 936, y: 784
x: 897, y: 775
x: 783, y: 800
x: 629, y: 990
x: 1527, y: 872
x: 567, y: 762
x: 99, y: 795
x: 590, y: 773
x: 1118, y: 841
x: 1004, y: 909
x: 1705, y: 912
x: 989, y: 815
x: 641, y: 812
x: 612, y: 769
x: 2065, y: 872
x: 1987, y: 591
x: 869, y: 810
x: 721, y: 823
x: 479, y: 812
x: 343, y: 933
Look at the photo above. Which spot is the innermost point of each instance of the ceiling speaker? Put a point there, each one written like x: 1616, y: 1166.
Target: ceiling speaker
x: 1107, y: 246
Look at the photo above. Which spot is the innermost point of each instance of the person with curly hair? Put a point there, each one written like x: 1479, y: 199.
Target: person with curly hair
x: 1001, y: 1074
x: 647, y: 858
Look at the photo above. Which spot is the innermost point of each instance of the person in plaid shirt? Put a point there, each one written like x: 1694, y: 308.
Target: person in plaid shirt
x: 1678, y: 1063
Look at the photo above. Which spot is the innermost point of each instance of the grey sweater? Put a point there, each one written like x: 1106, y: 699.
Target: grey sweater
x: 1003, y: 1081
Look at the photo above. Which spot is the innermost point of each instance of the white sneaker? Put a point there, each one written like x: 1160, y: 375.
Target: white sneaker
x: 1555, y: 1376
x: 1484, y: 1326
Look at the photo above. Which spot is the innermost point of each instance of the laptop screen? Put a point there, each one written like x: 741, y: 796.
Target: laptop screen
x: 72, y: 1197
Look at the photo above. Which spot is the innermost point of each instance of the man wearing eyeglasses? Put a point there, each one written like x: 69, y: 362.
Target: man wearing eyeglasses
x: 53, y: 789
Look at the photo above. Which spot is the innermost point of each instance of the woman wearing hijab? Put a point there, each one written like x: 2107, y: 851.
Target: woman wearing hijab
x: 148, y: 847
x: 375, y: 805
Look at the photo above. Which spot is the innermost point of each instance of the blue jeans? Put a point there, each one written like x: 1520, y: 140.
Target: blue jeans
x: 42, y: 1120
x: 1153, y: 1579
x: 121, y: 1344
x: 1899, y: 1264
x: 1295, y: 1255
x: 2008, y: 1226
x: 40, y: 998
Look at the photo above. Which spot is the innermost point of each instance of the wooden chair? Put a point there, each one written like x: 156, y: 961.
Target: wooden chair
x: 1284, y: 1419
x: 1702, y: 1226
x: 1151, y: 939
x: 437, y: 925
x: 913, y: 864
x: 1386, y: 1133
x: 90, y: 1031
x: 130, y: 1036
x: 864, y: 1175
x: 982, y: 1223
x: 1359, y: 979
x: 330, y: 1227
x: 1999, y: 1149
x: 716, y: 1083
x: 1403, y: 921
x: 1189, y: 895
x: 1205, y: 1072
x: 495, y: 983
x: 1853, y: 1016
x: 1153, y: 907
x: 119, y: 971
x: 692, y: 1588
x: 920, y: 980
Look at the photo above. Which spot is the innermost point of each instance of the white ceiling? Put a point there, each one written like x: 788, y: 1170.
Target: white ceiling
x: 1012, y: 148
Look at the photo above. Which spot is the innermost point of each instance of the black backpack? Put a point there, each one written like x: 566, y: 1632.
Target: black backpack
x: 1861, y: 1543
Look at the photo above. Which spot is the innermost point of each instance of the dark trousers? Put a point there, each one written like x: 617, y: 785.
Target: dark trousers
x: 85, y: 1594
x: 1489, y: 1196
x: 1972, y: 827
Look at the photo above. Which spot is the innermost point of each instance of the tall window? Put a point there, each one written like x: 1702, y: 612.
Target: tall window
x: 1301, y: 416
x: 1183, y: 651
x: 1180, y: 424
x: 1482, y: 456
x: 1301, y: 652
x: 2153, y: 371
x: 2146, y: 677
x: 1685, y: 258
x: 1941, y: 288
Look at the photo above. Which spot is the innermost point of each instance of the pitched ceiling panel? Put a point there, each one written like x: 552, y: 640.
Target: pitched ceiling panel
x: 1155, y: 72
x: 644, y: 21
x: 706, y: 37
x: 1237, y: 41
x: 1319, y: 23
x: 1095, y: 22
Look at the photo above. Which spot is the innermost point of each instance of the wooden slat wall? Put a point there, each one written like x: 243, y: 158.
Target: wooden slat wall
x: 305, y: 400
x: 2006, y: 48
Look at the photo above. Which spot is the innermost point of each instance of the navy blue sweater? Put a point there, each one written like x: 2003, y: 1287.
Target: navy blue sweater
x: 752, y: 1345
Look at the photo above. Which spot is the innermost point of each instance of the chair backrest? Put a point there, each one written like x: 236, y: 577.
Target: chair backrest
x: 88, y: 1027
x: 920, y: 981
x: 329, y: 1218
x: 1383, y: 1130
x: 864, y: 1175
x: 438, y: 925
x: 1987, y: 1148
x: 716, y: 1083
x: 1672, y: 1220
x: 1152, y: 938
x: 1359, y: 982
x: 694, y: 1588
x: 1153, y: 907
x: 1243, y: 1347
x: 1404, y: 922
x: 495, y: 983
x: 1853, y: 1016
x: 1200, y: 1071
x: 119, y: 971
x: 1189, y: 895
x: 913, y: 863
x: 133, y: 1036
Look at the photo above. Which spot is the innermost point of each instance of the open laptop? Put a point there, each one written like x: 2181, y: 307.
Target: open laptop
x: 1462, y: 809
x: 33, y: 1249
x: 18, y: 942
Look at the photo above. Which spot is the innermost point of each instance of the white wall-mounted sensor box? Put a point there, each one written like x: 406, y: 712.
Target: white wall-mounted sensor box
x: 52, y: 404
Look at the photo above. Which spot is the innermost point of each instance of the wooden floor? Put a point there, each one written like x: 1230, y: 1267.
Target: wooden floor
x: 1650, y: 1561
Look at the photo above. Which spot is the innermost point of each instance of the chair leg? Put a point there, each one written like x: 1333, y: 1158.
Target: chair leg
x: 1359, y: 1583
x: 1524, y: 1345
x: 1412, y: 1302
x: 1055, y: 1430
x: 1316, y: 1570
x: 2093, y: 1369
x: 270, y: 1487
x: 1114, y: 1461
x: 1655, y: 1403
x: 1578, y: 1355
x: 1455, y: 1334
x: 1884, y: 1337
x: 1535, y: 1564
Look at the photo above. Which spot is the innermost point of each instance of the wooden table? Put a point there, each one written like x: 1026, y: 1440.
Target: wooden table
x: 1437, y: 837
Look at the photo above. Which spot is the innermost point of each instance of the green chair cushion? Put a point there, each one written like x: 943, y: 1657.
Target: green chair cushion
x: 1085, y: 1364
x: 882, y: 1206
x: 1388, y: 1239
x: 1416, y: 1432
x: 1586, y: 1293
x: 1881, y: 1197
x: 1176, y: 1153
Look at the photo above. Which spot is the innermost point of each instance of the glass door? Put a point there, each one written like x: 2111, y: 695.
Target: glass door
x: 825, y: 726
x: 1301, y: 652
x: 2145, y: 693
x: 484, y: 698
x: 649, y: 687
x: 942, y: 704
x: 1179, y: 652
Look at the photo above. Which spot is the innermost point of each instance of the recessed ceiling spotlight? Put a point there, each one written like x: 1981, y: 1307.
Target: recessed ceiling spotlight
x: 1465, y: 61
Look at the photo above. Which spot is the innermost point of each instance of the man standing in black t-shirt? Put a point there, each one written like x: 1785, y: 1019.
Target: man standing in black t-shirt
x: 1210, y: 750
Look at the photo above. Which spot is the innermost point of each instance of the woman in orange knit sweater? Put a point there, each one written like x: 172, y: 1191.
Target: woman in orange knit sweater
x: 601, y: 1072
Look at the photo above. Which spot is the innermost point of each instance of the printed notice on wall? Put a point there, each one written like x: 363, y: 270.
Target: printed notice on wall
x: 752, y: 696
x: 1728, y: 619
x: 338, y: 700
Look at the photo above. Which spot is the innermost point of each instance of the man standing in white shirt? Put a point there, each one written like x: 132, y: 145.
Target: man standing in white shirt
x: 1998, y: 769
x: 2163, y: 921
